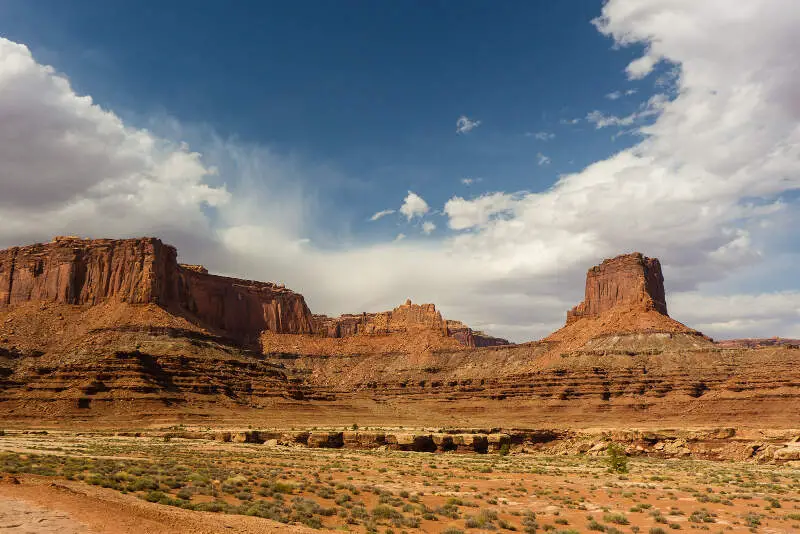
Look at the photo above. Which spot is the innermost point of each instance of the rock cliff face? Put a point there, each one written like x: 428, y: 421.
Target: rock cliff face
x: 76, y: 271
x: 472, y: 338
x: 404, y: 318
x: 630, y: 280
x: 407, y: 317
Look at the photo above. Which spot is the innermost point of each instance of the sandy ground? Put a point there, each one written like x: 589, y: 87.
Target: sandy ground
x: 22, y: 517
x: 40, y: 505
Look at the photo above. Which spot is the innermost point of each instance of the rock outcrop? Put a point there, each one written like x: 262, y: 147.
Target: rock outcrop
x: 407, y: 317
x: 630, y: 280
x: 757, y: 343
x: 404, y: 318
x: 472, y: 338
x: 75, y: 271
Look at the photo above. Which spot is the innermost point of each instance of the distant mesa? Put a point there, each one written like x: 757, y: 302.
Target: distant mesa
x: 406, y: 318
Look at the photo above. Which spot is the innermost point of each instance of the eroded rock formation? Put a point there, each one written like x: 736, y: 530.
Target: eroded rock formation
x: 630, y: 280
x: 70, y: 270
x: 407, y: 317
x: 472, y: 338
x: 404, y: 318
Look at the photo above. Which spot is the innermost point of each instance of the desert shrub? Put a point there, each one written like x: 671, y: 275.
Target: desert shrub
x: 529, y: 523
x: 596, y: 526
x: 616, y: 458
x: 752, y: 520
x: 384, y: 511
x: 701, y: 516
x: 618, y: 519
x: 505, y: 448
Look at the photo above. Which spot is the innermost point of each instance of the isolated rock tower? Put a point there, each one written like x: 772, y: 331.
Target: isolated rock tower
x: 631, y: 281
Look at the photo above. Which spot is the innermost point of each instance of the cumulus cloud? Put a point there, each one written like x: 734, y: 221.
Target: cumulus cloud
x: 414, y: 206
x: 463, y: 214
x: 428, y: 227
x: 68, y: 164
x: 541, y: 159
x: 380, y: 214
x: 465, y: 125
x: 710, y: 189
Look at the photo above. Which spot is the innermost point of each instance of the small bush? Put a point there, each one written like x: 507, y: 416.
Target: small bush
x: 619, y: 519
x: 617, y: 459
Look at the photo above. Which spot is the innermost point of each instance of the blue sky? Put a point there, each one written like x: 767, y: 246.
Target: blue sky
x: 370, y: 89
x: 509, y: 146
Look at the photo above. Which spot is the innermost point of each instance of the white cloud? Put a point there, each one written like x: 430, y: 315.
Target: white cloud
x: 570, y: 121
x: 541, y: 136
x: 639, y: 68
x: 702, y: 190
x: 465, y: 125
x: 382, y: 213
x: 650, y: 108
x: 724, y: 316
x: 414, y: 206
x: 465, y: 214
x: 541, y: 159
x: 400, y: 237
x: 428, y: 227
x: 470, y: 181
x: 616, y: 95
x: 67, y: 163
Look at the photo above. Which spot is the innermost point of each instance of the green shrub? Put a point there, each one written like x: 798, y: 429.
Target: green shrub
x: 617, y: 459
x: 619, y: 519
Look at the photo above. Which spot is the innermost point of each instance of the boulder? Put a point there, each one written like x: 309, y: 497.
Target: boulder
x: 363, y: 440
x: 325, y: 440
x: 496, y: 441
x: 250, y: 436
x: 471, y: 443
x: 294, y: 438
x: 411, y: 442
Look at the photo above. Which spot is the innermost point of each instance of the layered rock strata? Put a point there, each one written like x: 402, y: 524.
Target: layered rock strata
x: 86, y: 272
x: 630, y: 280
x: 406, y: 318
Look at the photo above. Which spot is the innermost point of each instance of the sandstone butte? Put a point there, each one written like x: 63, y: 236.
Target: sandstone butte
x: 110, y: 329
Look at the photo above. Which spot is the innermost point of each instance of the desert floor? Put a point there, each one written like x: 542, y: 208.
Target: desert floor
x: 72, y: 483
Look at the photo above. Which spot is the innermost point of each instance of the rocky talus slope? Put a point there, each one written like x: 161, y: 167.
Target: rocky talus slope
x: 115, y: 331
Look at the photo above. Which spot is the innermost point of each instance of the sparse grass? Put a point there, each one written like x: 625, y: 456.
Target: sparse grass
x: 380, y: 491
